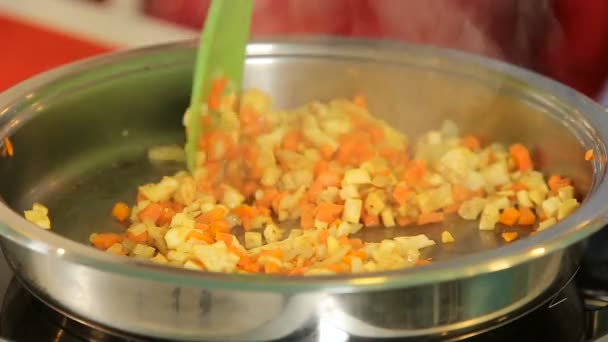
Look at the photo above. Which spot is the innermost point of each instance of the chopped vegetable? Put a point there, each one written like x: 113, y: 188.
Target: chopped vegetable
x: 446, y: 237
x: 509, y: 236
x: 121, y: 211
x: 7, y: 148
x: 589, y: 156
x: 283, y: 192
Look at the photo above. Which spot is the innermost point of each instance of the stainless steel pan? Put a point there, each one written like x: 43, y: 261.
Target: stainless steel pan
x: 81, y: 133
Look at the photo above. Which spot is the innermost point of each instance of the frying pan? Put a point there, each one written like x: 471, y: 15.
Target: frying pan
x: 81, y: 133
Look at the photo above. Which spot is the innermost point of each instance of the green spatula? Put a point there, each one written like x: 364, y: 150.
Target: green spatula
x: 221, y: 53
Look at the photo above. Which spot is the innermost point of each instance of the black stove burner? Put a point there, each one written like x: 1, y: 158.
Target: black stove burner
x: 24, y: 318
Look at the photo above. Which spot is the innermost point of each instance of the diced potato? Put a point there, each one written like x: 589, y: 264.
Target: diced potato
x: 332, y: 245
x: 496, y: 174
x: 177, y: 256
x: 374, y: 203
x: 349, y: 191
x: 352, y: 210
x: 143, y: 251
x: 546, y: 224
x: 271, y: 176
x: 489, y: 218
x: 116, y: 248
x: 253, y: 239
x: 470, y: 210
x: 446, y: 237
x: 387, y: 217
x: 38, y: 216
x: 216, y: 257
x: 523, y: 199
x: 256, y: 100
x: 272, y: 233
x: 537, y: 196
x: 356, y: 176
x: 191, y: 265
x: 159, y: 259
x: 551, y: 205
x: 176, y: 236
x: 435, y: 199
x: 566, y: 192
x: 232, y: 197
x: 161, y: 191
x: 499, y: 202
x: 566, y: 208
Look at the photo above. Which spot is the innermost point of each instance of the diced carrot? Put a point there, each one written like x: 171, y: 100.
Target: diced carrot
x: 461, y: 194
x: 452, y: 208
x: 556, y: 182
x: 376, y: 133
x: 217, y: 89
x: 320, y: 167
x: 200, y: 235
x: 430, y: 218
x: 276, y: 201
x: 227, y: 238
x: 338, y: 268
x: 166, y: 214
x: 275, y: 253
x: 521, y: 156
x: 268, y: 198
x: 291, y: 140
x: 7, y: 148
x: 323, y: 235
x: 106, y: 240
x: 252, y: 268
x: 151, y: 212
x: 244, y: 211
x: 140, y: 238
x: 359, y: 101
x: 471, y: 142
x: 344, y: 240
x: 121, y: 211
x: 327, y: 178
x: 509, y: 236
x: 218, y: 145
x: 526, y: 217
x: 356, y: 243
x: 307, y: 216
x: 272, y: 268
x: 589, y: 156
x: 422, y: 262
x: 370, y: 220
x: 401, y: 193
x: 327, y: 151
x: 509, y: 216
x: 328, y: 212
x: 354, y: 254
x: 212, y: 215
x: 415, y: 172
x: 403, y: 221
x: 219, y: 226
x: 298, y: 270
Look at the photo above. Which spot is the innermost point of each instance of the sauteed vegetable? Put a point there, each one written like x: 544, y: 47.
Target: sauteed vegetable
x: 287, y: 192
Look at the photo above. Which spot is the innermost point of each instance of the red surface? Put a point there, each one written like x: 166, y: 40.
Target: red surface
x: 574, y: 52
x: 29, y: 49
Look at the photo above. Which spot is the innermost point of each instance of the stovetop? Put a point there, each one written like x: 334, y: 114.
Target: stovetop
x: 24, y: 318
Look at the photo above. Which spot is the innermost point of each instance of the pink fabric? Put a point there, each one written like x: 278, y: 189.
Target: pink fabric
x: 557, y: 37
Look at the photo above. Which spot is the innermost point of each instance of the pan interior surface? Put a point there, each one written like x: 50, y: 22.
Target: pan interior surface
x: 84, y: 148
